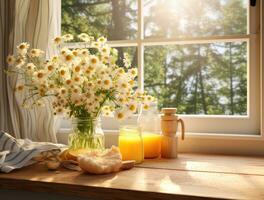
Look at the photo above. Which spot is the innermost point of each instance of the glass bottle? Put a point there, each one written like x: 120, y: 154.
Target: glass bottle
x: 130, y: 143
x: 149, y: 123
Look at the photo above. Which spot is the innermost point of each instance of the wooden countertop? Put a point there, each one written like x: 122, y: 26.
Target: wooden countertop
x: 188, y: 177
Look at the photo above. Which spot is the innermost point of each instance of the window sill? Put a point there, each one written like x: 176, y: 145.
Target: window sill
x: 230, y: 144
x: 191, y: 176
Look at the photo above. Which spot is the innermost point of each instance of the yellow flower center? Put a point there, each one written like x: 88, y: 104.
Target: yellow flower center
x: 77, y: 68
x: 20, y: 87
x: 124, y: 85
x: 132, y: 107
x: 57, y: 39
x: 106, y: 82
x: 63, y: 91
x: 62, y: 72
x: 94, y: 60
x: 77, y: 79
x: 68, y: 58
x: 40, y: 75
x: 120, y: 115
x: 91, y: 68
x: 75, y: 53
x: 121, y: 71
x: 50, y: 67
x: 87, y: 71
x: 68, y: 82
x: 22, y: 46
x: 131, y: 82
x: 75, y: 90
x: 133, y: 72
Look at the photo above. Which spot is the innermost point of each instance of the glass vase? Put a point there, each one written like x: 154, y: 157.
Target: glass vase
x: 86, y: 134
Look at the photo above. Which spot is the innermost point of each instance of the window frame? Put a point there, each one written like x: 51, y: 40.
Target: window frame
x: 221, y: 137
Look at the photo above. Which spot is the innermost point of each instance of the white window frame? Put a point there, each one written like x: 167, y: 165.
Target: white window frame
x: 213, y: 133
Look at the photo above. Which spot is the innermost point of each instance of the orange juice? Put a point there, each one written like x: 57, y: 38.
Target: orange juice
x: 130, y: 144
x: 152, y: 144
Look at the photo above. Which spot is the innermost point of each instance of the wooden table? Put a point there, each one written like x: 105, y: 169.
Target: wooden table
x: 188, y: 177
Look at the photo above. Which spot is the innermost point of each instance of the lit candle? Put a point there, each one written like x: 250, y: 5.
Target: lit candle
x: 130, y: 144
x: 152, y: 144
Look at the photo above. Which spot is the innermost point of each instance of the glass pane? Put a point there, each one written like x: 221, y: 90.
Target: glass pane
x: 194, y: 18
x: 114, y: 19
x: 199, y: 79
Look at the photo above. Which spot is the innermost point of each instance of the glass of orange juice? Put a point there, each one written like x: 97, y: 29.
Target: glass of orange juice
x: 152, y: 144
x: 130, y: 143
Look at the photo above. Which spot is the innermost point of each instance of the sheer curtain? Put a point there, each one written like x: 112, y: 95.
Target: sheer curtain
x: 36, y: 22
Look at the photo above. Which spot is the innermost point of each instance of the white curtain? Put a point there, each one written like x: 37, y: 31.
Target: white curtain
x: 36, y: 22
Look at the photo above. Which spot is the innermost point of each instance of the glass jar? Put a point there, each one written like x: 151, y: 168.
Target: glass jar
x: 130, y: 143
x: 149, y: 123
x: 87, y: 134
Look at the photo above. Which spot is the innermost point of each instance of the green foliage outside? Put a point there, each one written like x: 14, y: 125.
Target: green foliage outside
x: 195, y: 78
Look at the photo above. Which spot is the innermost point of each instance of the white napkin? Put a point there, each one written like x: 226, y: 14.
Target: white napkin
x: 17, y: 153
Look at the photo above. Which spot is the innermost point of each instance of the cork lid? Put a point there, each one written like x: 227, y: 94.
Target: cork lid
x: 169, y: 111
x: 169, y: 114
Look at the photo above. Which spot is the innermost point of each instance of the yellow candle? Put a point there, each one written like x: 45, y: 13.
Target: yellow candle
x: 152, y: 145
x: 131, y: 145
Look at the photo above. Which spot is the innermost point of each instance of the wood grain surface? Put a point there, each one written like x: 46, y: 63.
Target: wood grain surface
x: 189, y: 177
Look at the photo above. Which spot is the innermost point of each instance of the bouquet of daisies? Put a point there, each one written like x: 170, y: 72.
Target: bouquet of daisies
x: 81, y: 82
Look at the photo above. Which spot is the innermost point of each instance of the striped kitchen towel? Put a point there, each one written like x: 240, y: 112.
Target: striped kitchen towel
x: 17, y: 153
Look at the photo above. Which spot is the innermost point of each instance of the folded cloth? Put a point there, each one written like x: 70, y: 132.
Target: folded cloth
x: 17, y: 153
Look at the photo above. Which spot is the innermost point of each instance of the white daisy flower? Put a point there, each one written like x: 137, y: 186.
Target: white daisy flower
x: 94, y: 61
x: 58, y: 40
x: 76, y: 69
x: 84, y: 52
x: 95, y: 45
x: 64, y: 51
x: 30, y: 68
x: 40, y: 75
x: 19, y: 62
x: 67, y: 37
x: 36, y: 53
x: 107, y: 83
x: 133, y: 72
x: 10, y: 60
x: 76, y: 90
x: 68, y: 58
x: 19, y: 88
x: 107, y: 111
x: 105, y: 50
x: 121, y: 114
x: 51, y: 67
x: 132, y: 106
x: 63, y: 92
x: 102, y: 40
x: 22, y: 48
x: 77, y: 79
x: 64, y: 73
x: 84, y: 37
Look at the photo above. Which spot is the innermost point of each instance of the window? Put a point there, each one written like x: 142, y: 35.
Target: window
x: 201, y: 56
